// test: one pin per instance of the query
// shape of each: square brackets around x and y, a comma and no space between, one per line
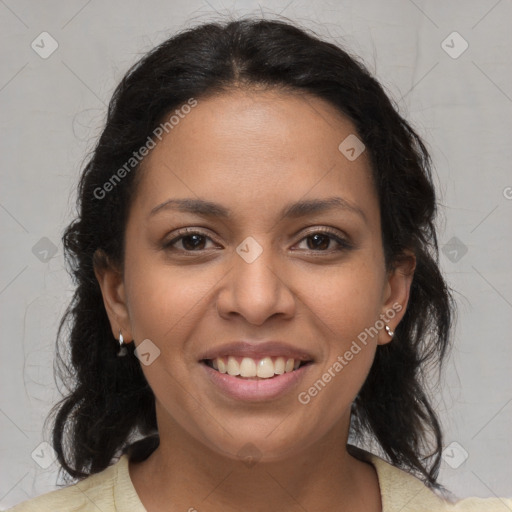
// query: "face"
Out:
[313,279]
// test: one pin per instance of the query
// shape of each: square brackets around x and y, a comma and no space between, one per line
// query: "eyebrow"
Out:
[293,210]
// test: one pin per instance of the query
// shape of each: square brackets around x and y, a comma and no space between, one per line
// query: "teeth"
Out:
[248,367]
[221,364]
[279,366]
[264,368]
[233,366]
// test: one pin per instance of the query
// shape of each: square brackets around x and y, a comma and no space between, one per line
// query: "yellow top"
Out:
[112,490]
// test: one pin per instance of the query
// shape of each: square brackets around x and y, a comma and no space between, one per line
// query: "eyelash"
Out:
[343,245]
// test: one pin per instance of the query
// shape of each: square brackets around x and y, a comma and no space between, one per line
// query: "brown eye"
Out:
[191,241]
[320,241]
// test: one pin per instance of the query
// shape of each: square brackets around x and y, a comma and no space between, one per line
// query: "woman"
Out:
[255,261]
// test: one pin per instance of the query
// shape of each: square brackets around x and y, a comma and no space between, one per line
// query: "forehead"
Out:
[256,147]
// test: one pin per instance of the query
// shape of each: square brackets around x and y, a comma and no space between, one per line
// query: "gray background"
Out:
[53,108]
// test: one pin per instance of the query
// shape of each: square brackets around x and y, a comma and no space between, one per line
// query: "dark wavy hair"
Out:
[109,408]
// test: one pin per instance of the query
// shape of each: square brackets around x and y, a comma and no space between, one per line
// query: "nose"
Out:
[255,290]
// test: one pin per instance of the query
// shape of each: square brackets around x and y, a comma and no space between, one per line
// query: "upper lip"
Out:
[256,350]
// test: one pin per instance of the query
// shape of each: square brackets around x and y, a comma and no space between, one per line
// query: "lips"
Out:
[256,389]
[255,371]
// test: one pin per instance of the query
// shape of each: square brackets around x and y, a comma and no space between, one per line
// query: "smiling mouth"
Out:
[248,368]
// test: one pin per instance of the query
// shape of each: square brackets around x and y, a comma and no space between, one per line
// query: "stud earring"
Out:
[389,331]
[122,347]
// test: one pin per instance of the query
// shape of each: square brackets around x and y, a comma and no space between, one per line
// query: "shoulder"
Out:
[109,490]
[483,505]
[402,491]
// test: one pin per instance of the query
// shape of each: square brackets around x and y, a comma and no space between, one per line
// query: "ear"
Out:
[110,279]
[396,293]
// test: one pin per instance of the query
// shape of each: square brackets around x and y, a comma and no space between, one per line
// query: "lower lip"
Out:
[256,390]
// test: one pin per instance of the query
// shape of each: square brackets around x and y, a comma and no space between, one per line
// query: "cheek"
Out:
[163,301]
[346,305]
[155,302]
[165,306]
[348,299]
[154,305]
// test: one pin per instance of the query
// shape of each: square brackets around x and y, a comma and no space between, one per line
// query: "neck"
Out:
[184,474]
